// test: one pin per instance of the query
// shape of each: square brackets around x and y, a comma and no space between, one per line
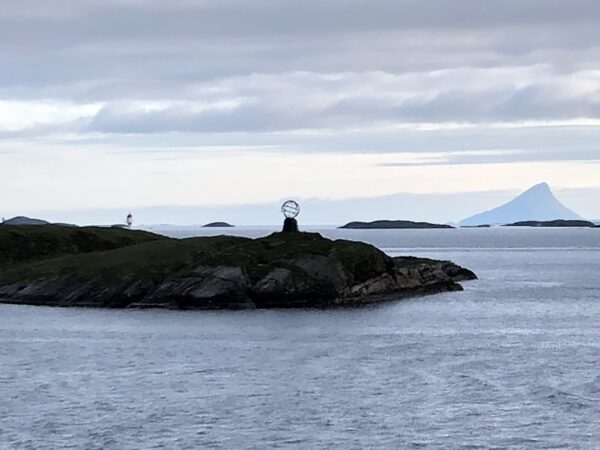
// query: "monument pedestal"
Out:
[290,225]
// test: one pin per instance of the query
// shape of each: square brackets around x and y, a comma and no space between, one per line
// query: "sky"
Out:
[193,111]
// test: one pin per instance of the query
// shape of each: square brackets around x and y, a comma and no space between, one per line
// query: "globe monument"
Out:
[290,209]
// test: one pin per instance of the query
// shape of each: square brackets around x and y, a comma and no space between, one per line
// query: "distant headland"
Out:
[122,268]
[392,224]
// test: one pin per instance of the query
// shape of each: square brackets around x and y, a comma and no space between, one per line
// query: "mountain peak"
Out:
[539,191]
[540,187]
[537,203]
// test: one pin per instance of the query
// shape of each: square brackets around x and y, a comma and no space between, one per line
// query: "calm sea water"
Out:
[512,362]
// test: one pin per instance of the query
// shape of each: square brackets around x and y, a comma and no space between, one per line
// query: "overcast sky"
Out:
[129,104]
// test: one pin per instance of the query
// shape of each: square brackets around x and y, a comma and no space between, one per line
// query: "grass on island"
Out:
[45,253]
[151,260]
[20,243]
[114,256]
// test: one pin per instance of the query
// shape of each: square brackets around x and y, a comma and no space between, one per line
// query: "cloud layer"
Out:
[265,65]
[459,83]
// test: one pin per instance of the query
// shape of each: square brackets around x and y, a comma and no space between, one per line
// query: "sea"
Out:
[511,362]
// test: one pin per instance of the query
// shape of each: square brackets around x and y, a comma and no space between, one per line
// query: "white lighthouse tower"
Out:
[129,220]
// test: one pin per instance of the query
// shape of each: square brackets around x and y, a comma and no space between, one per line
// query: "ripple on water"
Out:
[511,362]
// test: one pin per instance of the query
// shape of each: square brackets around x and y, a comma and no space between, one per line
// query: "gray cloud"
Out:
[308,17]
[293,101]
[66,42]
[247,118]
[590,155]
[266,66]
[156,90]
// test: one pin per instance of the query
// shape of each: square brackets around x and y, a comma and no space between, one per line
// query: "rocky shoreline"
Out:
[295,270]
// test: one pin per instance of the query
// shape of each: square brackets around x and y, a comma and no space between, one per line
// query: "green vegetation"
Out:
[153,260]
[19,243]
[116,256]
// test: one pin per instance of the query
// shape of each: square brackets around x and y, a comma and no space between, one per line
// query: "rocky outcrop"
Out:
[280,271]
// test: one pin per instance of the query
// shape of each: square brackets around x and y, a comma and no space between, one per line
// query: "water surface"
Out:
[512,362]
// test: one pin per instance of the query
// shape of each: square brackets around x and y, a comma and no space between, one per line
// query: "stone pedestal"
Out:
[290,225]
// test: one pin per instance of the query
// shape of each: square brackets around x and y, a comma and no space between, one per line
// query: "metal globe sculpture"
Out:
[290,209]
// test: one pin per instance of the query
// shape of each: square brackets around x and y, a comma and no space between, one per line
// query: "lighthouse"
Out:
[129,220]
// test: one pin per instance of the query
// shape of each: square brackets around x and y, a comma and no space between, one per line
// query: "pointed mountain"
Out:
[538,203]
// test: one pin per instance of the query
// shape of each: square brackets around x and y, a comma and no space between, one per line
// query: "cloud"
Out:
[302,100]
[459,84]
[19,115]
[297,65]
[66,42]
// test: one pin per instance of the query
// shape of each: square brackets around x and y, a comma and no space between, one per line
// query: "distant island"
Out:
[22,220]
[117,268]
[392,224]
[217,225]
[554,224]
[536,204]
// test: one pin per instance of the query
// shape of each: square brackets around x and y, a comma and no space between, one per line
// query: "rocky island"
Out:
[218,225]
[117,268]
[393,224]
[553,224]
[22,220]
